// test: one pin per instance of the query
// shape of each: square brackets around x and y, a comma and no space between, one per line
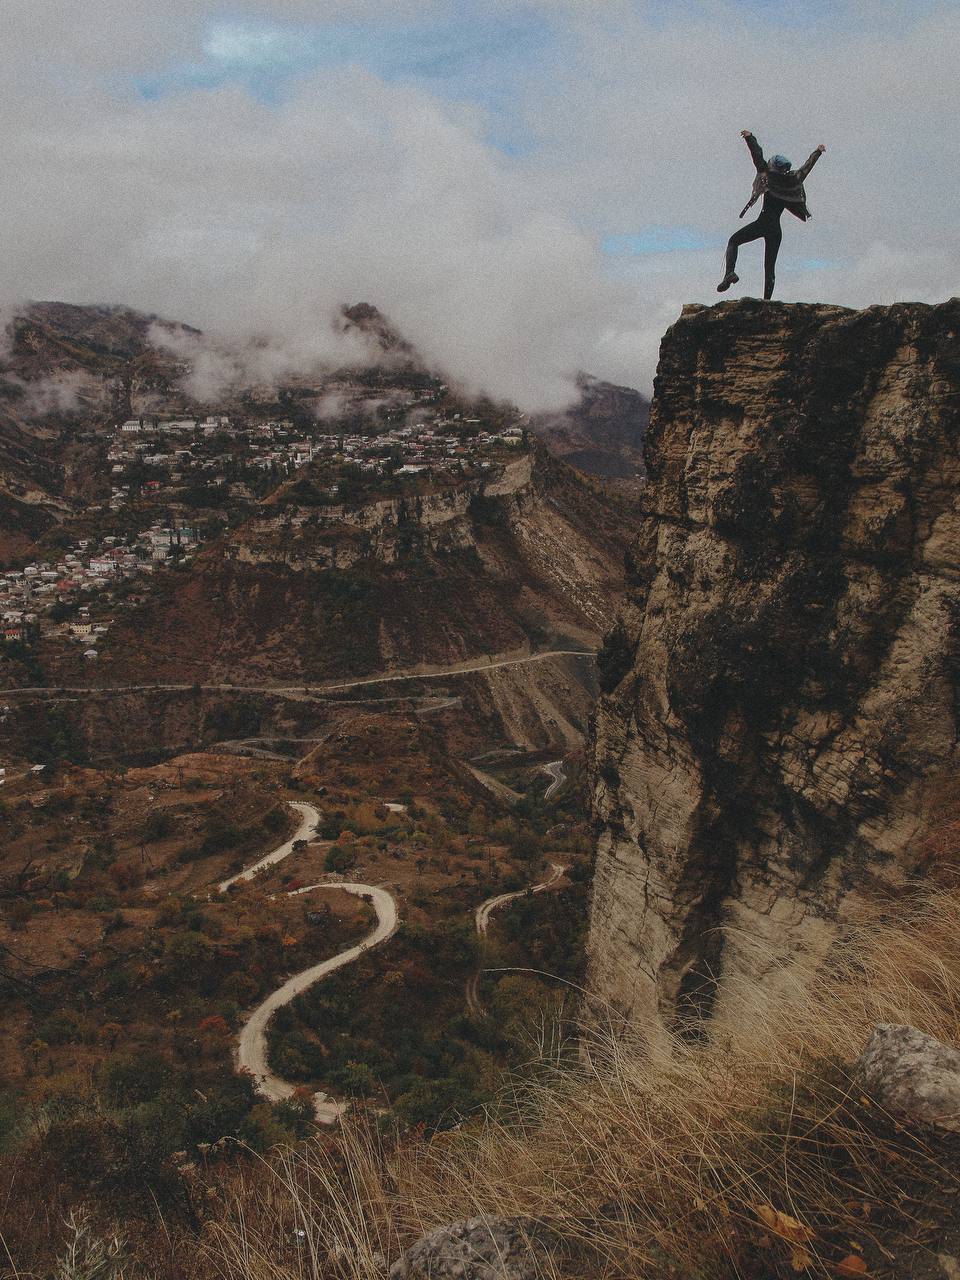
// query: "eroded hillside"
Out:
[527,556]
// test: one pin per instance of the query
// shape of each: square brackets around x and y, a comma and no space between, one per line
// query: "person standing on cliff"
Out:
[782,188]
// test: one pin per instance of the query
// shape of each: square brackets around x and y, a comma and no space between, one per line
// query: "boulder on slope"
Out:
[913,1075]
[477,1249]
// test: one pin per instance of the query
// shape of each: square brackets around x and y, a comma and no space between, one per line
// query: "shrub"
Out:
[221,834]
[340,858]
[355,1079]
[213,1025]
[157,825]
[189,949]
[136,1077]
[60,1027]
[90,1255]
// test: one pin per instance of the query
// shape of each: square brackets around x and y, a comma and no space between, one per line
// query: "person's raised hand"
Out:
[745,133]
[821,147]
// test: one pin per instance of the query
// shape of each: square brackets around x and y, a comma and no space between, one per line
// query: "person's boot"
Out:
[730,278]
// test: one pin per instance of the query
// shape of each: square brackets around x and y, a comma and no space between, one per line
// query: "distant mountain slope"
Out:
[603,433]
[524,556]
[63,366]
[67,369]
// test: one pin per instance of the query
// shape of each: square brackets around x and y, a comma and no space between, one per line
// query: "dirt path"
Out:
[252,1042]
[252,1045]
[482,920]
[309,821]
[496,788]
[492,663]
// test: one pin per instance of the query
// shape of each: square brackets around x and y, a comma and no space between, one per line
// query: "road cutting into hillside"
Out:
[309,821]
[482,921]
[493,662]
[252,1044]
[554,770]
[259,747]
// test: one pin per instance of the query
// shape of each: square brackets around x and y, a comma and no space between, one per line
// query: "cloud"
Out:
[58,393]
[249,221]
[256,217]
[215,365]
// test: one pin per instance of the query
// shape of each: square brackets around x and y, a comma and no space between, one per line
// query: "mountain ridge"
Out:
[69,370]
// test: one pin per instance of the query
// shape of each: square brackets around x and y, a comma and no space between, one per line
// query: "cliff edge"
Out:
[781,721]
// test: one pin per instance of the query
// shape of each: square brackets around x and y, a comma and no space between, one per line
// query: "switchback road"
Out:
[482,921]
[554,770]
[252,1045]
[309,821]
[252,1042]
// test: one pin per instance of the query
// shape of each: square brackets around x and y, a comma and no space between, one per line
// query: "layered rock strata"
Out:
[784,718]
[526,554]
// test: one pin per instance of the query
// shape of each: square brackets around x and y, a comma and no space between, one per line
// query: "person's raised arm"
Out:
[756,151]
[814,157]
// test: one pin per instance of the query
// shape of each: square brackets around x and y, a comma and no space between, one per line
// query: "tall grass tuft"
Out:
[747,1151]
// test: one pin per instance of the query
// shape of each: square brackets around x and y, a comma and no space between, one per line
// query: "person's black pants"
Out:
[766,228]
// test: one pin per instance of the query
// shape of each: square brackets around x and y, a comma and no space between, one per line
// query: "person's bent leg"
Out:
[752,231]
[771,248]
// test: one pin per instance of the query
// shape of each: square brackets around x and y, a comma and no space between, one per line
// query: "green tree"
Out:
[136,1077]
[157,825]
[356,1079]
[189,949]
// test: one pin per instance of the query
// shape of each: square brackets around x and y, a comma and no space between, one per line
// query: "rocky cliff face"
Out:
[528,555]
[784,716]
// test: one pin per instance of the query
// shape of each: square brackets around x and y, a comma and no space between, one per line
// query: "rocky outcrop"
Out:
[526,554]
[602,433]
[477,1249]
[783,700]
[913,1075]
[338,536]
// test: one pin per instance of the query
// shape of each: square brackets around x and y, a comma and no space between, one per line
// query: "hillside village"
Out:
[210,448]
[186,466]
[42,596]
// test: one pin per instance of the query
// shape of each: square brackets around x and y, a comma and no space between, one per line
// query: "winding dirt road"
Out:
[309,821]
[252,1042]
[482,919]
[252,1045]
[554,770]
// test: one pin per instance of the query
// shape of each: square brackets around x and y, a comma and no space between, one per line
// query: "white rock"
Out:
[912,1074]
[476,1249]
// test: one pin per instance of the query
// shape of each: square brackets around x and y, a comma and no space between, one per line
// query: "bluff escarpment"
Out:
[782,725]
[527,555]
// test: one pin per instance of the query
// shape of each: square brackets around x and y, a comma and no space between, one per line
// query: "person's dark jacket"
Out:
[787,187]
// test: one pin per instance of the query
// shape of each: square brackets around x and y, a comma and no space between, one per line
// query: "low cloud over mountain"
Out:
[251,175]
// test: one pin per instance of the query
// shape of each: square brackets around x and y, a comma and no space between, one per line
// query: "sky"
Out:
[527,189]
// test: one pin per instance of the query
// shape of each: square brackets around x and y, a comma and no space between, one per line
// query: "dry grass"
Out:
[747,1153]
